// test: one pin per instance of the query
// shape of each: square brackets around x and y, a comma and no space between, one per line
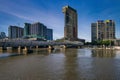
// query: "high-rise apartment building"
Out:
[103,30]
[37,30]
[15,32]
[71,27]
[27,29]
[94,30]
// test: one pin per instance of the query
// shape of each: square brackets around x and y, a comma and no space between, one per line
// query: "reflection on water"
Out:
[65,64]
[70,64]
[103,53]
[42,51]
[70,53]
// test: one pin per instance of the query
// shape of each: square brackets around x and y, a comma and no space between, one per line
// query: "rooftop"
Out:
[70,8]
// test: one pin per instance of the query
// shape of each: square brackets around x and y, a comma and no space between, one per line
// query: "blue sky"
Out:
[49,12]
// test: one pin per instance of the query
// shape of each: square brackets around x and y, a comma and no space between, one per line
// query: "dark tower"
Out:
[70,28]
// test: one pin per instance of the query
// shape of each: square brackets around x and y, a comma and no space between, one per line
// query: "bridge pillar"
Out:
[25,50]
[50,47]
[19,49]
[36,47]
[1,49]
[64,46]
[9,49]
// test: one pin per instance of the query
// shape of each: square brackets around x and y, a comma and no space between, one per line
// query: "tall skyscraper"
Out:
[37,30]
[15,32]
[103,30]
[71,27]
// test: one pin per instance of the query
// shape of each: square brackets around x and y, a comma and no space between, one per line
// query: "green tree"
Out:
[106,42]
[103,42]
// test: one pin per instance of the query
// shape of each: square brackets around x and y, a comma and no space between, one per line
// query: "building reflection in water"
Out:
[71,64]
[104,66]
[103,53]
[42,51]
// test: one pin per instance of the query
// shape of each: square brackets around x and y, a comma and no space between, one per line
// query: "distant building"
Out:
[2,35]
[36,30]
[103,30]
[15,32]
[49,34]
[27,29]
[71,27]
[94,30]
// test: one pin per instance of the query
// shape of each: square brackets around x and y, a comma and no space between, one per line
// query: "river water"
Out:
[69,64]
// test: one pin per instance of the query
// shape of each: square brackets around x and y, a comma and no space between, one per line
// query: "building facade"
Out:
[2,35]
[49,34]
[94,31]
[37,30]
[15,32]
[103,30]
[27,29]
[70,27]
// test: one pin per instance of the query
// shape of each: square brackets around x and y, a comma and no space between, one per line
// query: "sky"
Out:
[49,12]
